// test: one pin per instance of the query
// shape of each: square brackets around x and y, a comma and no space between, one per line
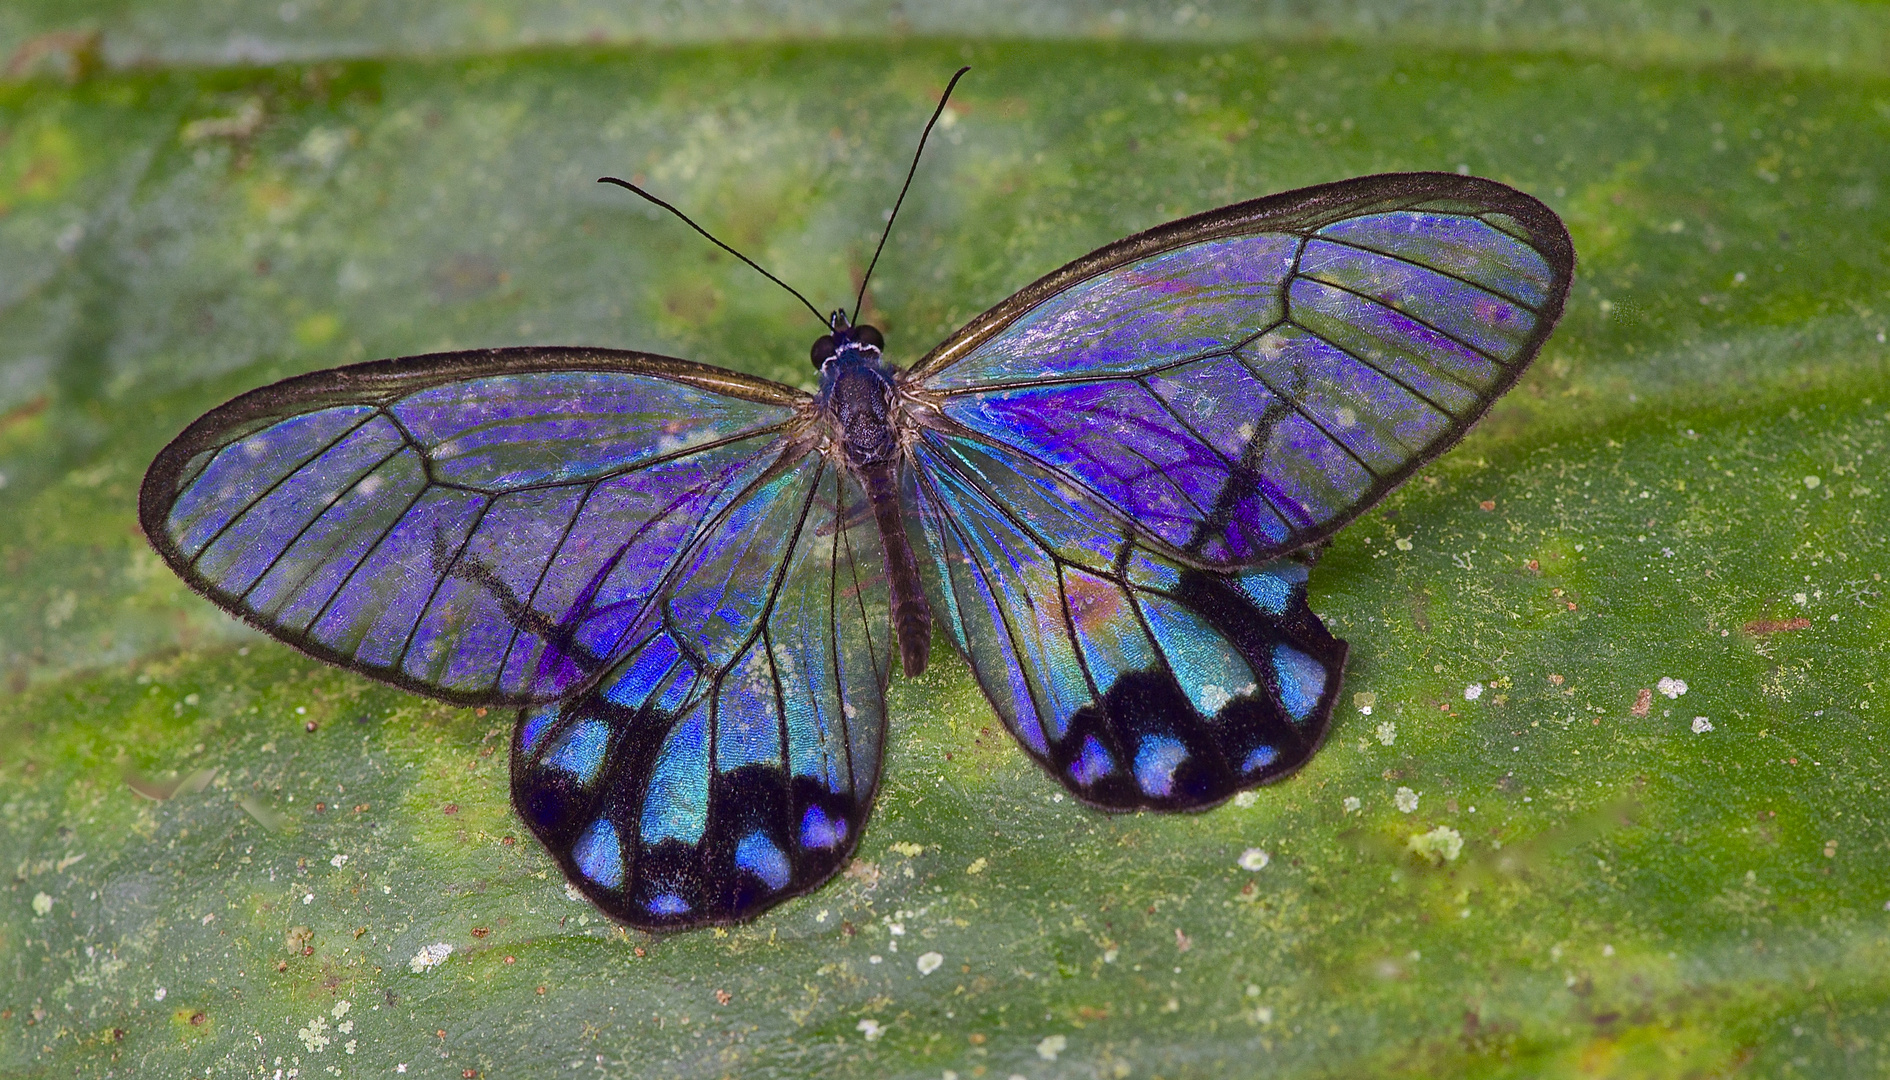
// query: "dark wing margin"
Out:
[1239,384]
[729,760]
[1134,681]
[480,527]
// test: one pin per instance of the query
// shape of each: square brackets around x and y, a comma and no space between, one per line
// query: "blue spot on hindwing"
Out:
[535,727]
[668,904]
[1302,681]
[599,854]
[1271,587]
[581,751]
[676,806]
[1092,762]
[761,857]
[1260,759]
[819,831]
[1156,759]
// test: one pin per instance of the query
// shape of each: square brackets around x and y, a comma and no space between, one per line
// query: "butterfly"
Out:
[695,585]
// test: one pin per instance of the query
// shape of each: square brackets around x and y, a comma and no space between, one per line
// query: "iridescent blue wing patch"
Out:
[729,759]
[482,527]
[1237,385]
[1137,682]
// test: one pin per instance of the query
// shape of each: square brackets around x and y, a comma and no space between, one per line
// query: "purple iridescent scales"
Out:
[483,539]
[729,758]
[1236,398]
[1110,463]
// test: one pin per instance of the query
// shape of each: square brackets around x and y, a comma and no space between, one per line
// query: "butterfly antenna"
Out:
[890,218]
[628,186]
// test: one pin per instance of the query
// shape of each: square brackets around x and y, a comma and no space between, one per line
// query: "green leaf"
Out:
[1523,853]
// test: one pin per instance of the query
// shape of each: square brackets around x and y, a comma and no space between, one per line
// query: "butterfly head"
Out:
[847,344]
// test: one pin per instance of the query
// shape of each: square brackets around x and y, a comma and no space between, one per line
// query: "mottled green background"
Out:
[198,198]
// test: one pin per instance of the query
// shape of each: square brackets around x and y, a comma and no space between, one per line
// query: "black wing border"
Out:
[379,383]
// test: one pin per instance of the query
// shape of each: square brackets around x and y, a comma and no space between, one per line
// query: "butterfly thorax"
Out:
[856,392]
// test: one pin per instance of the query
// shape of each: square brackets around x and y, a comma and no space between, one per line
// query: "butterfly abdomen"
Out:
[861,402]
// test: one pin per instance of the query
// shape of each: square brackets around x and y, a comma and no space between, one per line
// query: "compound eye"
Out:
[868,334]
[823,350]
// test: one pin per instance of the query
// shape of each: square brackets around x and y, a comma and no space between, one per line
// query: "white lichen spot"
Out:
[1387,732]
[346,1027]
[870,1029]
[349,1046]
[929,962]
[1051,1046]
[314,1035]
[1473,691]
[1403,543]
[1812,482]
[341,1008]
[429,956]
[1351,804]
[338,861]
[161,994]
[1246,799]
[1406,800]
[42,904]
[1800,599]
[1109,955]
[1253,859]
[1441,845]
[1263,1015]
[1701,725]
[1672,688]
[977,866]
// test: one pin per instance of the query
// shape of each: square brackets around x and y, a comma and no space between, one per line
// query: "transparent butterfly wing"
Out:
[1111,463]
[729,759]
[482,527]
[1134,680]
[1238,385]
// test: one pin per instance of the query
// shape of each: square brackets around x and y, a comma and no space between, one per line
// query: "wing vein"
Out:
[439,581]
[311,523]
[1459,278]
[271,489]
[1426,324]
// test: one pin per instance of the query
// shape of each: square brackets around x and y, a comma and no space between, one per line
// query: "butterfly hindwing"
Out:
[729,760]
[480,527]
[1135,681]
[1241,384]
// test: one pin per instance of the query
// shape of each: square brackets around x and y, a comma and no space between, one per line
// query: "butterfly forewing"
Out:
[729,760]
[1240,384]
[480,527]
